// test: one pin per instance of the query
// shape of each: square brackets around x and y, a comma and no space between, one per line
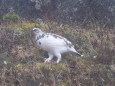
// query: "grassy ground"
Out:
[21,60]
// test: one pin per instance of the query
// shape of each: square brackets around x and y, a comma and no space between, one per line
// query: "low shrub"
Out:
[11,17]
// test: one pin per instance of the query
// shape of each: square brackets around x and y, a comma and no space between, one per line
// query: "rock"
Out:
[112,67]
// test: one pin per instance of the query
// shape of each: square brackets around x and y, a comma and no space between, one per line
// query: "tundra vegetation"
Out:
[91,30]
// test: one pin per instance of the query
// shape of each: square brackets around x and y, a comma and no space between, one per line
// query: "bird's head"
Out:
[37,31]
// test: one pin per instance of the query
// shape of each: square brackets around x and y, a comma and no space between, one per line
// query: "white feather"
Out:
[54,44]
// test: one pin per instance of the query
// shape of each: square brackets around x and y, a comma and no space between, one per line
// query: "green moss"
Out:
[58,67]
[19,67]
[64,84]
[25,25]
[11,17]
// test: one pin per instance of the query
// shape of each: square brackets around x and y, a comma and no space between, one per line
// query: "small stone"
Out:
[112,67]
[16,82]
[7,81]
[5,62]
[94,57]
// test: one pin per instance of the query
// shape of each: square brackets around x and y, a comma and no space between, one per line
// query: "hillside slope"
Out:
[21,60]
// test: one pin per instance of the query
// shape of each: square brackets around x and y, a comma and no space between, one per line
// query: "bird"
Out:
[54,44]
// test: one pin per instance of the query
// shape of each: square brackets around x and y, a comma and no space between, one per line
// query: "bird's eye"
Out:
[34,30]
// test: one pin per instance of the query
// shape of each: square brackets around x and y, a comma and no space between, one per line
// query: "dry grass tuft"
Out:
[21,61]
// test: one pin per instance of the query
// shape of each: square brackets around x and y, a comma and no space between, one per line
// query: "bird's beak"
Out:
[33,29]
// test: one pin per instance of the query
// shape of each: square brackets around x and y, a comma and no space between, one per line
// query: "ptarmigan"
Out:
[54,44]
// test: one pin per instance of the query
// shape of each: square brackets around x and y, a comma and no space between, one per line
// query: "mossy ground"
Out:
[24,58]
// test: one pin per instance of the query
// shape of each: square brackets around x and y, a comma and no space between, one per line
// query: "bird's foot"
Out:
[47,60]
[82,55]
[58,61]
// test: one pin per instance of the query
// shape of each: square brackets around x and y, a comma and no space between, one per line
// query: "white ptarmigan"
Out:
[54,44]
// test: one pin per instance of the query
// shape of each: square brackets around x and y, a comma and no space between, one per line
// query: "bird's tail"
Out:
[76,53]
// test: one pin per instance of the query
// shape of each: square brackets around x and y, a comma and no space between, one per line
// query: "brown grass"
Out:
[25,65]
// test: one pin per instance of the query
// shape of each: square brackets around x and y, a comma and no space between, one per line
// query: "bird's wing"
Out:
[55,39]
